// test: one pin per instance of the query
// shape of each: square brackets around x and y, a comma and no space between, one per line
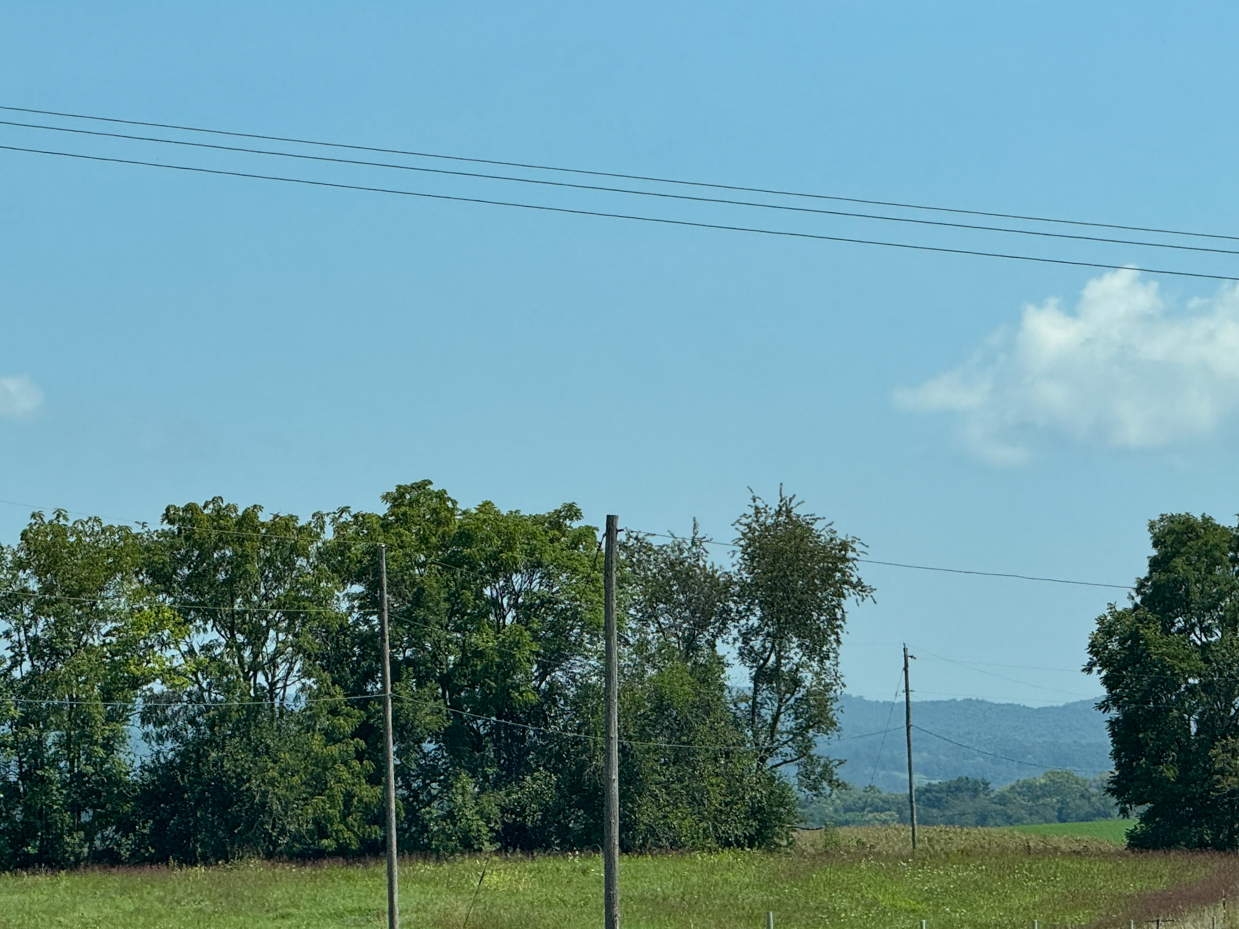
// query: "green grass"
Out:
[961,879]
[1108,830]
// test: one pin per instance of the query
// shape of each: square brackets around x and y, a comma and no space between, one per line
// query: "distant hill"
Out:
[1070,737]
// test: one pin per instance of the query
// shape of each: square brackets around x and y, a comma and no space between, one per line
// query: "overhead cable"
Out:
[1018,577]
[661,535]
[30,595]
[882,745]
[921,567]
[617,175]
[208,704]
[981,751]
[1003,677]
[632,217]
[663,195]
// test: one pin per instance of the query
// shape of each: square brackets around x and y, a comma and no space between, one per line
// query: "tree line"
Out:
[1053,797]
[204,690]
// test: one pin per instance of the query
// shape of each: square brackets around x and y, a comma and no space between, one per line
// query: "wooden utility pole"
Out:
[610,835]
[393,908]
[907,705]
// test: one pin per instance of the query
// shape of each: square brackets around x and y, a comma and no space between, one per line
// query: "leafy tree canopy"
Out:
[205,690]
[1169,662]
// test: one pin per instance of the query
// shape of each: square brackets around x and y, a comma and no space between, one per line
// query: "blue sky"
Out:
[169,337]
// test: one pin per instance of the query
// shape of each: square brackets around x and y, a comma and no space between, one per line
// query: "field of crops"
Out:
[1111,830]
[849,879]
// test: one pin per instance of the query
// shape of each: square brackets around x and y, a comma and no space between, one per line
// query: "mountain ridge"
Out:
[998,742]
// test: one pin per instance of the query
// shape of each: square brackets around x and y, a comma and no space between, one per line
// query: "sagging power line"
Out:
[631,217]
[921,567]
[981,751]
[663,195]
[620,176]
[660,535]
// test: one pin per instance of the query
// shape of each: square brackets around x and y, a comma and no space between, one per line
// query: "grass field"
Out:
[1110,830]
[959,879]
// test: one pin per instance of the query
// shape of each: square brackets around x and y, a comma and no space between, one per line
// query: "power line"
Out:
[628,191]
[921,567]
[597,738]
[1011,680]
[996,664]
[863,735]
[1020,577]
[37,595]
[37,508]
[1043,704]
[981,751]
[632,217]
[882,745]
[188,703]
[618,175]
[573,735]
[210,704]
[660,535]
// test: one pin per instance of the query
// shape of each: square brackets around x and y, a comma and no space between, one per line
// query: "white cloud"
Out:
[1120,371]
[19,396]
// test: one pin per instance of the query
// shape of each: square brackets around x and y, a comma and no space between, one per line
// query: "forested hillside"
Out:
[1032,740]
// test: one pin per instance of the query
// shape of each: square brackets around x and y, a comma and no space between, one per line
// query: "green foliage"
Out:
[495,620]
[673,593]
[242,650]
[81,638]
[794,576]
[688,777]
[1053,797]
[1169,662]
[270,764]
[460,818]
[250,781]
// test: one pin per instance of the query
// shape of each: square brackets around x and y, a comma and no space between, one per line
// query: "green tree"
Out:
[1169,662]
[255,747]
[495,620]
[81,639]
[794,576]
[1053,797]
[689,776]
[1058,797]
[675,595]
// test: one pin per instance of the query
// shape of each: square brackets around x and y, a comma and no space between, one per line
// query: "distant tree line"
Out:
[1053,797]
[204,690]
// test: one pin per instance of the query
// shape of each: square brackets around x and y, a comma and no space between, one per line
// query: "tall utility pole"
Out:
[393,910]
[907,705]
[610,832]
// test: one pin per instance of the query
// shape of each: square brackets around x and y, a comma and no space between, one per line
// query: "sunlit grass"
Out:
[959,878]
[1110,830]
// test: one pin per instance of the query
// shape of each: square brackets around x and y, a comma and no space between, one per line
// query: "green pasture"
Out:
[857,879]
[1109,830]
